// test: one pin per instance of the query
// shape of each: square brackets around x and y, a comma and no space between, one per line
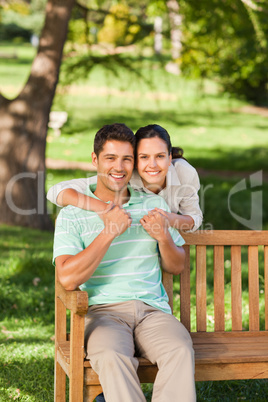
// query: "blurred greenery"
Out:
[224,41]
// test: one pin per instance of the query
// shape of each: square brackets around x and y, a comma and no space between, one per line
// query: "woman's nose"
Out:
[152,162]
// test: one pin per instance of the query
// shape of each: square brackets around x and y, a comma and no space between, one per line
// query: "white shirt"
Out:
[180,193]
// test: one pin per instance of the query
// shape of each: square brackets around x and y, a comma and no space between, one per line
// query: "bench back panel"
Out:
[228,245]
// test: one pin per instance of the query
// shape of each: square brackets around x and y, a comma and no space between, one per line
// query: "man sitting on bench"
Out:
[118,260]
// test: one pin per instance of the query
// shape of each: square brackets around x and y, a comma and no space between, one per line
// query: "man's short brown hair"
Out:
[116,132]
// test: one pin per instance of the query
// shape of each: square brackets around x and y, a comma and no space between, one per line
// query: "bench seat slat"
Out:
[214,348]
[238,336]
[233,355]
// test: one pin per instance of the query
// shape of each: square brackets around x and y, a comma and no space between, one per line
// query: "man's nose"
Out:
[119,165]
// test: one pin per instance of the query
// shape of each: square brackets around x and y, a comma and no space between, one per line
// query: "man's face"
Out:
[114,167]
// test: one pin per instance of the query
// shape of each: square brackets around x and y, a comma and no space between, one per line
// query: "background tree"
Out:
[23,127]
[227,41]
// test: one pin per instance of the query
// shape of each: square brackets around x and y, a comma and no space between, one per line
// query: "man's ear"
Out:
[94,159]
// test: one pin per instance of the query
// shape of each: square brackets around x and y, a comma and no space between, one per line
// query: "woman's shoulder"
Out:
[182,164]
[185,171]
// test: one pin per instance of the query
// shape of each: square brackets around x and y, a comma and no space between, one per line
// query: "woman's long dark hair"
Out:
[154,130]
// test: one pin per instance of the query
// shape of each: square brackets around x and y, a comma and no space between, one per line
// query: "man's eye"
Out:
[143,157]
[161,156]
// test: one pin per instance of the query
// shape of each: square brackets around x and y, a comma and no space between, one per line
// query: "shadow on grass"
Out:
[135,117]
[34,378]
[255,158]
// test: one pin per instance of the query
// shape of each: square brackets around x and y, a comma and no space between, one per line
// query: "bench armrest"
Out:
[74,300]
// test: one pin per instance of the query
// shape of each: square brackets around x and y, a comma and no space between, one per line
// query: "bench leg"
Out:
[90,392]
[59,384]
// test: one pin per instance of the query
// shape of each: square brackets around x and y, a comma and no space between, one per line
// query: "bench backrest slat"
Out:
[219,288]
[253,288]
[201,289]
[236,288]
[232,245]
[266,285]
[185,295]
[167,280]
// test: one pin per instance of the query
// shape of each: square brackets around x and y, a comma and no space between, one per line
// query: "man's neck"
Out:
[118,198]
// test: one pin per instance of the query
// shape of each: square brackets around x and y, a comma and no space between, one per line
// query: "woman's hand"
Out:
[156,225]
[177,221]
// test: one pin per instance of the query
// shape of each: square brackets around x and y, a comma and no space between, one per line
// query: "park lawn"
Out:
[26,315]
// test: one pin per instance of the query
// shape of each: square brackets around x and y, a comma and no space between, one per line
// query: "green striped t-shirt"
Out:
[130,269]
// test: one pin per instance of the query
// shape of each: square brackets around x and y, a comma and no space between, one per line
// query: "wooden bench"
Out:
[229,344]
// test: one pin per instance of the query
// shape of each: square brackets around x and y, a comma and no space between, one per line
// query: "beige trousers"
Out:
[116,332]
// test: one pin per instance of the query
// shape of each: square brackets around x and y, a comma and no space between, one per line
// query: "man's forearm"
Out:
[172,257]
[77,269]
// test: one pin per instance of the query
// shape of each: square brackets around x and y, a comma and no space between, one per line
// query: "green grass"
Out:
[26,315]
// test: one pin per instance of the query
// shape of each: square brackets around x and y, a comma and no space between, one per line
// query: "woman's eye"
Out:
[143,157]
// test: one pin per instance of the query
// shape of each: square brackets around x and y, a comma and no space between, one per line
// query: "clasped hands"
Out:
[117,221]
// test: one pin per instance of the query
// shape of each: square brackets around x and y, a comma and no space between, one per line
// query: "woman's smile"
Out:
[153,161]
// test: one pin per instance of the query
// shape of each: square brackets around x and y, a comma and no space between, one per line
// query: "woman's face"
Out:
[153,160]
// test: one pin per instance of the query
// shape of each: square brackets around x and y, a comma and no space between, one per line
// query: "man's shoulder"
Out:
[72,214]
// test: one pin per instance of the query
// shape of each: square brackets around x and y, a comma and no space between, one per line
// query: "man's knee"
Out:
[110,359]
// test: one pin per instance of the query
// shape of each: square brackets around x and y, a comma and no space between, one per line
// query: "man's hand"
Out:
[156,225]
[116,221]
[101,214]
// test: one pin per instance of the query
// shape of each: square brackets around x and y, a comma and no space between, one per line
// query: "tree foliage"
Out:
[228,41]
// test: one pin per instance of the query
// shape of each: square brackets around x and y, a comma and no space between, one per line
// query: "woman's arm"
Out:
[183,198]
[71,192]
[70,196]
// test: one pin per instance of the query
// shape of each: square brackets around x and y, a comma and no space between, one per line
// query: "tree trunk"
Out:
[23,127]
[175,21]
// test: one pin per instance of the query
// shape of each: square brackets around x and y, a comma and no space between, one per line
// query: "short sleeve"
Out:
[177,237]
[80,185]
[67,240]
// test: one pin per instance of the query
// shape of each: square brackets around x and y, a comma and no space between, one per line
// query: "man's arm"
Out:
[172,257]
[73,270]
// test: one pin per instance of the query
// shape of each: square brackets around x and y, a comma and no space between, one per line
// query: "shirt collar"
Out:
[172,176]
[134,195]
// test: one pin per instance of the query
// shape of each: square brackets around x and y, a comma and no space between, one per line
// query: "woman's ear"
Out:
[170,158]
[94,159]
